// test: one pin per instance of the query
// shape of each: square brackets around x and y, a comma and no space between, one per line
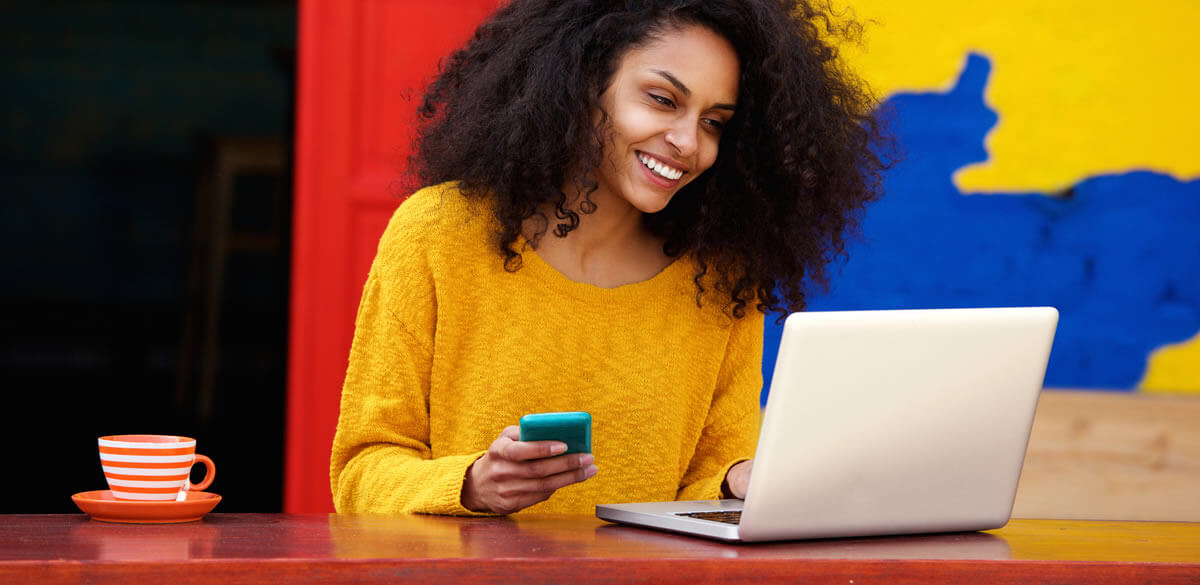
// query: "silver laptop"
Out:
[883,422]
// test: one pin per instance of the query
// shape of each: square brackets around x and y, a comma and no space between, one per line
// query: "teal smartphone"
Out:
[572,428]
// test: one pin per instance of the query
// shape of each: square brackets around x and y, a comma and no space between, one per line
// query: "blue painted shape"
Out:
[1118,255]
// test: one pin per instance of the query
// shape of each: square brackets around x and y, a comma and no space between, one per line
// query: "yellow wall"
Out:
[1114,85]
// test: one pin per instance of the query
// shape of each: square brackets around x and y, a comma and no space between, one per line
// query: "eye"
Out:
[714,124]
[662,100]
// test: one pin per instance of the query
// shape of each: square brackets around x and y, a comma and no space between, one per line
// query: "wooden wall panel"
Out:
[1112,455]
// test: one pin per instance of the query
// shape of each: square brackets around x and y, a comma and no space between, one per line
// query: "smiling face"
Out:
[667,103]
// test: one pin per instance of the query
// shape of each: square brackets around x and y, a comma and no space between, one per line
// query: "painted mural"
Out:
[1049,159]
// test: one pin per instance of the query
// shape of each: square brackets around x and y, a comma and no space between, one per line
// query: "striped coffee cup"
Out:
[151,467]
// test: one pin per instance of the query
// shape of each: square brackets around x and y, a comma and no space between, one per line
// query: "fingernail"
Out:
[591,470]
[557,448]
[586,459]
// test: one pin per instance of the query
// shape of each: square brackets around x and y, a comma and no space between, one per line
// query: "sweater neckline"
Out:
[665,280]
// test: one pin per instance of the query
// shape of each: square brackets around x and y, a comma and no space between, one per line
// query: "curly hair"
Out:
[513,112]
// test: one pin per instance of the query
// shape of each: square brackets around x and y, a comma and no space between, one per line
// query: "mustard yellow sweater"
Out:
[449,348]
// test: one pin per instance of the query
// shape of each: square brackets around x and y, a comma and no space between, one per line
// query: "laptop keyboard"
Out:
[726,516]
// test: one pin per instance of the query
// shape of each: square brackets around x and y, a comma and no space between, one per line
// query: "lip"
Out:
[655,177]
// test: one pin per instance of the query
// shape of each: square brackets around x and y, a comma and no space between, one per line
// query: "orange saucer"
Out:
[102,506]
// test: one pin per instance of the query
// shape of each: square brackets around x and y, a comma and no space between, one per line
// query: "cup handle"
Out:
[209,475]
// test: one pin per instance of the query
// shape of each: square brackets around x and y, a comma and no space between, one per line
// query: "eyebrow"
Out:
[684,89]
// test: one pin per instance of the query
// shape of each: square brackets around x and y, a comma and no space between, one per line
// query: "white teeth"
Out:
[659,168]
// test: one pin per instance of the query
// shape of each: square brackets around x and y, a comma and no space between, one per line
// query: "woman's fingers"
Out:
[530,450]
[557,465]
[537,489]
[541,468]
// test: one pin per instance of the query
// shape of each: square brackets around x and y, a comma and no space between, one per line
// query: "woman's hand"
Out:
[737,481]
[513,475]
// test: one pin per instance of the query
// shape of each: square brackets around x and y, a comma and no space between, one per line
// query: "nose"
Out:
[683,137]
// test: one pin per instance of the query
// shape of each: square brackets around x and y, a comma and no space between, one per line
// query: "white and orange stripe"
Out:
[147,467]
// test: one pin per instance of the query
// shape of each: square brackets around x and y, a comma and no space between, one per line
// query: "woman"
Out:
[621,191]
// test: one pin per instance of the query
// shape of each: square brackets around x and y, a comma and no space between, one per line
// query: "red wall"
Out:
[362,65]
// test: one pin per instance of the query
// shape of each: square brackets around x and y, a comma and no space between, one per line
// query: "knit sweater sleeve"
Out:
[731,427]
[381,460]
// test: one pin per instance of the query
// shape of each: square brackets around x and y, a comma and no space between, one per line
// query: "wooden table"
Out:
[276,548]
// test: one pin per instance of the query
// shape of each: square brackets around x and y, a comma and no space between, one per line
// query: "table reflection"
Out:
[150,542]
[418,536]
